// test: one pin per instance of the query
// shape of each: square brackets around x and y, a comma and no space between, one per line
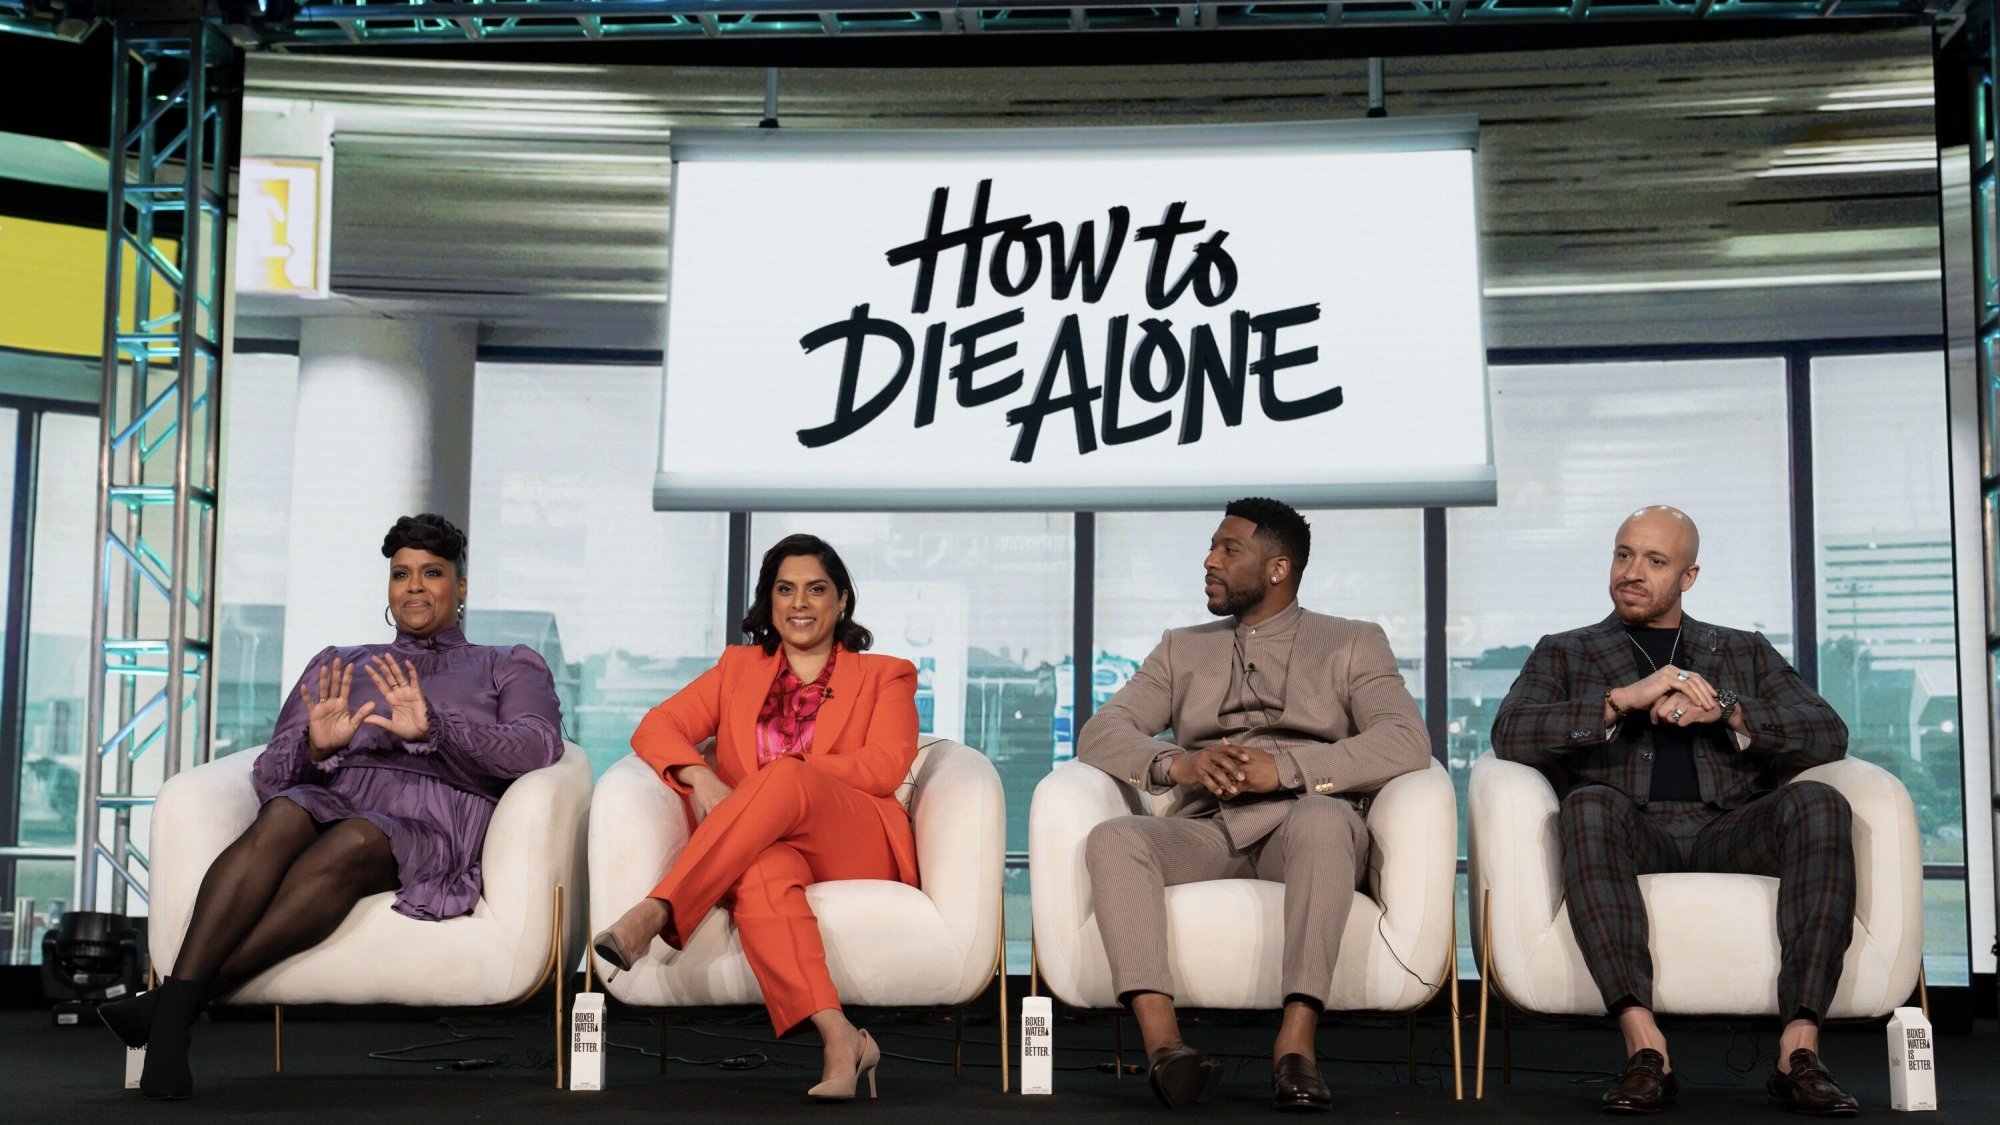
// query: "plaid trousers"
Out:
[1800,833]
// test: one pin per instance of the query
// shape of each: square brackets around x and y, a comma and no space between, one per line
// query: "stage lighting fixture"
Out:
[88,958]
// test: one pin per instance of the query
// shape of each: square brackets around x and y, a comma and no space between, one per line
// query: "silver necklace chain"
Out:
[1676,647]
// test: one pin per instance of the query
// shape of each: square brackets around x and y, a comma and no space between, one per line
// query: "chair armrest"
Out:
[197,813]
[638,827]
[535,840]
[1888,859]
[958,815]
[1413,864]
[1069,801]
[1514,851]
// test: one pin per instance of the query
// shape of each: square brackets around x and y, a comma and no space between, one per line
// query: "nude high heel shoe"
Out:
[834,1090]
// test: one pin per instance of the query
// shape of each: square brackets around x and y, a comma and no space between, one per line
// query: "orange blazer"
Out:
[865,735]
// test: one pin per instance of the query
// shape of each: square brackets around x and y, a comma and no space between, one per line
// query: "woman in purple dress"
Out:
[383,784]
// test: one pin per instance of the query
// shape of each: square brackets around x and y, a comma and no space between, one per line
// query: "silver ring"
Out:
[1684,674]
[1678,712]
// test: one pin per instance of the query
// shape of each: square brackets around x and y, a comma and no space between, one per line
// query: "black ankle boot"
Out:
[131,1019]
[167,1075]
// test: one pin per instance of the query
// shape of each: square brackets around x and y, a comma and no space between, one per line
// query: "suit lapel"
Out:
[844,688]
[1616,657]
[1200,716]
[745,700]
[1701,647]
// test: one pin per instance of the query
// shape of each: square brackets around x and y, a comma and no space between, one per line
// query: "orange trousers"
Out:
[786,827]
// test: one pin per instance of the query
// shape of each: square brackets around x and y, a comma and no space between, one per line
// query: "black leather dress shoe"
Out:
[1810,1089]
[1645,1086]
[1296,1084]
[1183,1076]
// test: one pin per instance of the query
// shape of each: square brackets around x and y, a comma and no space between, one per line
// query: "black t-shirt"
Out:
[1674,777]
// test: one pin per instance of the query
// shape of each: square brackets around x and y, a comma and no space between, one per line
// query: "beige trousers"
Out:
[1320,854]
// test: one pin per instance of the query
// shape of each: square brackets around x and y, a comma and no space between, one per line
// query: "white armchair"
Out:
[1399,948]
[887,944]
[500,954]
[1711,956]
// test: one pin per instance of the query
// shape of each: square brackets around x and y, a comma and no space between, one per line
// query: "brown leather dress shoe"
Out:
[1810,1089]
[1183,1076]
[1296,1085]
[1645,1085]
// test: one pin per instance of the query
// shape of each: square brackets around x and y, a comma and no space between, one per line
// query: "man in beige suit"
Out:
[1283,723]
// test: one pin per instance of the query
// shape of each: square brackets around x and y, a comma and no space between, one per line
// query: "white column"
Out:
[384,430]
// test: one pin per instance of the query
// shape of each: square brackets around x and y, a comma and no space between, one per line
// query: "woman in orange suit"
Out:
[812,737]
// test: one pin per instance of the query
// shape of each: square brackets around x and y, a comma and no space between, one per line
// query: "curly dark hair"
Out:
[1278,524]
[757,623]
[427,531]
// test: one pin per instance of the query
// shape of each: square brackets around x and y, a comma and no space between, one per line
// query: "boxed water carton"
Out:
[1912,1061]
[1038,1046]
[586,1042]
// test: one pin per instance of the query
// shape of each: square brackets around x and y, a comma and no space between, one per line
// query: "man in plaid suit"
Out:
[1671,740]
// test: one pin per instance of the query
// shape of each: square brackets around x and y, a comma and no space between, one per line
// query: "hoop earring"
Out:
[386,619]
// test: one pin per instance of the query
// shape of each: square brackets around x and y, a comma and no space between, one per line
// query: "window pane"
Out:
[568,556]
[980,602]
[254,548]
[1887,617]
[59,607]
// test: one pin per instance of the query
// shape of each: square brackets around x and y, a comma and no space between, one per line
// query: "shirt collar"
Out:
[451,636]
[1276,625]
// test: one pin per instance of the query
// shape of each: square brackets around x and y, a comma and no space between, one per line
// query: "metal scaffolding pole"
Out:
[153,621]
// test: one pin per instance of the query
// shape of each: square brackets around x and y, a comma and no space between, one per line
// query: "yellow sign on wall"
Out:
[278,227]
[52,286]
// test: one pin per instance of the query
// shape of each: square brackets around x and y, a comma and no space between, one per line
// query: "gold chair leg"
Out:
[1485,976]
[556,928]
[1457,1037]
[1006,1053]
[277,1038]
[1923,989]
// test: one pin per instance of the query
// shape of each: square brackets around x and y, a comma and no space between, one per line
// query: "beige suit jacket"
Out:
[1348,723]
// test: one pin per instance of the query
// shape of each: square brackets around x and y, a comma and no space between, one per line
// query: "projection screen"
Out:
[1075,318]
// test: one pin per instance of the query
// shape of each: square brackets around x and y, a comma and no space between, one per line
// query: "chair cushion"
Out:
[886,944]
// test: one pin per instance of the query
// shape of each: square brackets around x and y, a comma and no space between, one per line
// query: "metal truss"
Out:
[153,621]
[346,22]
[360,21]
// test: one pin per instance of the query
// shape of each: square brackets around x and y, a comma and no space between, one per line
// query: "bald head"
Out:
[1652,564]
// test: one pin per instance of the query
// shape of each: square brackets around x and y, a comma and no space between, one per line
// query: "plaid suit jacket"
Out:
[1553,716]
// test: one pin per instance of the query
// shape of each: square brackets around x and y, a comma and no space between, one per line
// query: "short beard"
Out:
[1235,602]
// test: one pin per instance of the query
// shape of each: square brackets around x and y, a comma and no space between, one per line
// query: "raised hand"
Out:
[409,719]
[330,724]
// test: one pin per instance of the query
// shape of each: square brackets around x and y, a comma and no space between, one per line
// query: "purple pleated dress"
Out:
[493,715]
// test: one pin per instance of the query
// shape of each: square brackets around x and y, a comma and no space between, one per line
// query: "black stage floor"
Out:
[75,1075]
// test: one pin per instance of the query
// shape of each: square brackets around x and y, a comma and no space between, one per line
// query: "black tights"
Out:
[282,887]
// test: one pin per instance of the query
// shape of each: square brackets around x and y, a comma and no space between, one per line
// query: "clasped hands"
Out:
[1671,695]
[1226,769]
[331,722]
